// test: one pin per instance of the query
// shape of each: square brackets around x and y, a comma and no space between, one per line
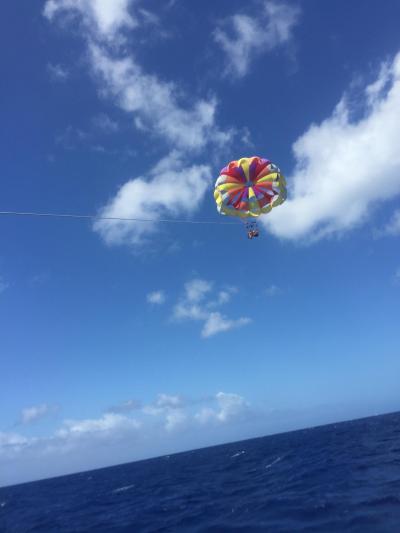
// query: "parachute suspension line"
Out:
[122,219]
[252,228]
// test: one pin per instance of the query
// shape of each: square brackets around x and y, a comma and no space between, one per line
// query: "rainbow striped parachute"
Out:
[249,187]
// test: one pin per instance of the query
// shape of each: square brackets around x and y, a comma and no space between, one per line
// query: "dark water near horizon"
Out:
[341,477]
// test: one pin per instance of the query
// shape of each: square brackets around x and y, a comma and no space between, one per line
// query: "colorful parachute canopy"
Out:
[249,187]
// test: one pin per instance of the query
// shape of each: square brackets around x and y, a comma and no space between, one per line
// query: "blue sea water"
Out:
[342,477]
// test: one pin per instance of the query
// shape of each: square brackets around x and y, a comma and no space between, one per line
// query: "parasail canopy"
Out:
[249,187]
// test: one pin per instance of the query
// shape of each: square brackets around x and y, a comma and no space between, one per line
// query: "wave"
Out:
[123,489]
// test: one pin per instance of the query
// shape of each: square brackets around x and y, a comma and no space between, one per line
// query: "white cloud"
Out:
[242,37]
[217,323]
[175,419]
[374,91]
[108,423]
[171,190]
[170,408]
[173,425]
[194,305]
[177,425]
[223,296]
[171,411]
[344,168]
[185,310]
[191,306]
[36,412]
[11,440]
[158,108]
[105,18]
[229,406]
[174,413]
[156,297]
[397,276]
[57,72]
[167,400]
[196,290]
[154,102]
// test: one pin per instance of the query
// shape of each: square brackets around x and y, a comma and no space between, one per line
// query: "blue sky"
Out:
[128,340]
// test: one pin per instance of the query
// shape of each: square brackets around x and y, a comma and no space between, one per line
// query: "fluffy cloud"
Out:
[156,297]
[167,400]
[217,323]
[172,425]
[104,18]
[196,290]
[242,37]
[36,412]
[173,187]
[170,190]
[154,104]
[175,419]
[229,406]
[107,424]
[158,108]
[171,412]
[178,425]
[11,440]
[345,168]
[171,409]
[198,304]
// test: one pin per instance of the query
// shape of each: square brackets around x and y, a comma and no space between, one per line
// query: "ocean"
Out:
[335,478]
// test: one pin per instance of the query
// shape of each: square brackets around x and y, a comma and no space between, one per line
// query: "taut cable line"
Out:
[121,219]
